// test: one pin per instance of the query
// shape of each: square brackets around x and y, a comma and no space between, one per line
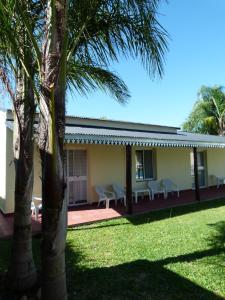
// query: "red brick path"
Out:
[91,213]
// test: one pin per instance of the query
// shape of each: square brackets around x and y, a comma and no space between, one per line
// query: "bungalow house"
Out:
[102,152]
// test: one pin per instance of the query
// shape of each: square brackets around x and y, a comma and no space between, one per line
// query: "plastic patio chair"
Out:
[170,187]
[104,195]
[219,181]
[119,192]
[156,188]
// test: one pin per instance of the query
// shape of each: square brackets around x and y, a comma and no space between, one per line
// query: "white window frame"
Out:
[153,165]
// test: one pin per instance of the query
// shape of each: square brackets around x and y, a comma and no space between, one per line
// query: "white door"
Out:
[76,177]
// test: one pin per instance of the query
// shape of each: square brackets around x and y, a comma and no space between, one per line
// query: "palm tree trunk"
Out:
[51,139]
[22,272]
[220,127]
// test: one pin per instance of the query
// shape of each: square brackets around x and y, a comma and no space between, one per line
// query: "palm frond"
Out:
[85,78]
[115,28]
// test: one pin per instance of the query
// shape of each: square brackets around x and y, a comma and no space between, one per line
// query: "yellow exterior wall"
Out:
[107,165]
[172,163]
[215,164]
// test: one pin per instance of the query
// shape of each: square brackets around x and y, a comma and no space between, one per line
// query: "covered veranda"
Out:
[90,213]
[131,139]
[128,140]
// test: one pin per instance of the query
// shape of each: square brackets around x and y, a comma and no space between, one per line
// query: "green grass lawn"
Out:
[170,254]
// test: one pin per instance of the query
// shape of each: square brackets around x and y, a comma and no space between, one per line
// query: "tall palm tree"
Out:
[16,56]
[103,30]
[99,38]
[22,273]
[208,114]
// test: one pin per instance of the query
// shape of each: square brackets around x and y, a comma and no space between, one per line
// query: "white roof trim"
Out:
[138,142]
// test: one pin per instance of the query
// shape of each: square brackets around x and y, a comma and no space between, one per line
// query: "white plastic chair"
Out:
[119,192]
[219,181]
[104,195]
[170,187]
[216,180]
[36,205]
[156,188]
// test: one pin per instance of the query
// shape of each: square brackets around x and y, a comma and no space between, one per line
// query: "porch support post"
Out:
[129,179]
[197,193]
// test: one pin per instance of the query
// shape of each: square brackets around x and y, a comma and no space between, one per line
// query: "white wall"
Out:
[10,172]
[2,160]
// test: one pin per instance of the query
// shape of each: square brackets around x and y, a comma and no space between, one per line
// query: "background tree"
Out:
[208,113]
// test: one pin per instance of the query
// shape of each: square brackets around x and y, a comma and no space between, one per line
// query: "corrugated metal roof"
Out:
[120,121]
[89,135]
[124,137]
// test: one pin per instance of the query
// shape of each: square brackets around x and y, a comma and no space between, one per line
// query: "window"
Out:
[202,169]
[144,164]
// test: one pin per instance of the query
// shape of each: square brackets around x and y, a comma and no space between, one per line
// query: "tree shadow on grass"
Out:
[217,240]
[153,216]
[137,280]
[140,279]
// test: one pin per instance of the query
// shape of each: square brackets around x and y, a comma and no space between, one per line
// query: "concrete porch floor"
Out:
[91,213]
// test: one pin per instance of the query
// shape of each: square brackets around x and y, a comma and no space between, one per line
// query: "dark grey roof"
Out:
[119,121]
[89,135]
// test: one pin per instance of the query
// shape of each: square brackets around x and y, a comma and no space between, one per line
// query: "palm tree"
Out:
[208,114]
[22,272]
[102,30]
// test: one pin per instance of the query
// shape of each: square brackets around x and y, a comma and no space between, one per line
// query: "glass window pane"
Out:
[80,163]
[200,157]
[201,178]
[148,164]
[139,165]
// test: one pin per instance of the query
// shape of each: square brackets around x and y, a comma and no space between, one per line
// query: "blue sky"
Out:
[196,57]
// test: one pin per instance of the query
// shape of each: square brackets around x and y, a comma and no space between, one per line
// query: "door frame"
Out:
[67,172]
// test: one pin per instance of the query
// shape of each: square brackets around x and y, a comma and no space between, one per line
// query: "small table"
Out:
[141,191]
